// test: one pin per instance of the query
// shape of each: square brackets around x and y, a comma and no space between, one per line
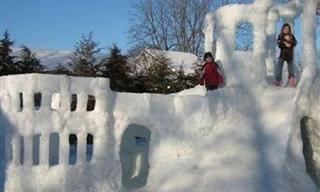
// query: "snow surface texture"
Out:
[244,137]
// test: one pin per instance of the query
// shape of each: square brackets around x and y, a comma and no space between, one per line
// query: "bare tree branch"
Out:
[172,24]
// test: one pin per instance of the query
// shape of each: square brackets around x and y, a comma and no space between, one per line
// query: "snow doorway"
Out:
[296,26]
[311,147]
[134,152]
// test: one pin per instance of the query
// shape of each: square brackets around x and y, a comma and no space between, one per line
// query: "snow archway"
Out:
[311,149]
[134,154]
[220,29]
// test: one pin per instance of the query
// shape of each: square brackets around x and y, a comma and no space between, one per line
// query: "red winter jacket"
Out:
[211,75]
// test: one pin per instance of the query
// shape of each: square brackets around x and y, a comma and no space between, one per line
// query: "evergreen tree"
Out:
[184,81]
[60,69]
[115,67]
[7,64]
[153,73]
[180,82]
[191,80]
[29,62]
[160,75]
[83,60]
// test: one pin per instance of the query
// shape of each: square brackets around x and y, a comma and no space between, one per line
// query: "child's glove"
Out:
[201,82]
[221,80]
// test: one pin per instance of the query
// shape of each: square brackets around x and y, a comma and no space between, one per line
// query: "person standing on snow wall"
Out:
[286,42]
[211,75]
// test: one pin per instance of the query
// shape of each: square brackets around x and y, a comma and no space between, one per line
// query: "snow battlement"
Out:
[48,132]
[39,115]
[144,142]
[19,93]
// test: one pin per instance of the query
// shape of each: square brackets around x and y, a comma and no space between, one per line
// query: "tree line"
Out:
[154,75]
[27,62]
[170,25]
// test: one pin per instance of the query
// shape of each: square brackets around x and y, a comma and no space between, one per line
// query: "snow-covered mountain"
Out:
[176,59]
[51,59]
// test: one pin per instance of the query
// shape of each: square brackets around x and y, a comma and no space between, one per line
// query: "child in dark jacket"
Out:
[286,42]
[211,76]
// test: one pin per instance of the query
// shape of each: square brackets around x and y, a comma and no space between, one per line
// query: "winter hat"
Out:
[206,55]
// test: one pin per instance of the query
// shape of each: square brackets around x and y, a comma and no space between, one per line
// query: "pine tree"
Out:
[191,80]
[153,73]
[7,64]
[115,67]
[180,82]
[60,69]
[29,62]
[160,76]
[83,60]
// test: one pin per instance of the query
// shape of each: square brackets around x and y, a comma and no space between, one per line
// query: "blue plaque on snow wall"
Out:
[141,141]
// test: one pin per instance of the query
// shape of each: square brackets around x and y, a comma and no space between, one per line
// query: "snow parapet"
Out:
[228,140]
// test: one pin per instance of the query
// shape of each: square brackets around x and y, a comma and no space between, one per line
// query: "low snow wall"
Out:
[144,142]
[40,105]
[175,123]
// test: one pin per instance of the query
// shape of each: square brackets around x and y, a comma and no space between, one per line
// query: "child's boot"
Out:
[277,83]
[292,82]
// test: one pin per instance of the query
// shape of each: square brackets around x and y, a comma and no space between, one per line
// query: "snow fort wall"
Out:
[177,140]
[224,22]
[46,148]
[220,28]
[303,146]
[36,167]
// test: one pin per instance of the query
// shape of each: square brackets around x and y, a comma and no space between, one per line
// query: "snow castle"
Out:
[62,133]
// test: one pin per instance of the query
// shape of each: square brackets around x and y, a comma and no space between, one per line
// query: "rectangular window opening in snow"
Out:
[74,102]
[73,141]
[54,149]
[91,103]
[37,100]
[20,109]
[55,102]
[89,150]
[36,149]
[22,150]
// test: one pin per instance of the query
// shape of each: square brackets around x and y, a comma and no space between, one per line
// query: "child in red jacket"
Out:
[211,76]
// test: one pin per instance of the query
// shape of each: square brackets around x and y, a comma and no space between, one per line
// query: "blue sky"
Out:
[59,24]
